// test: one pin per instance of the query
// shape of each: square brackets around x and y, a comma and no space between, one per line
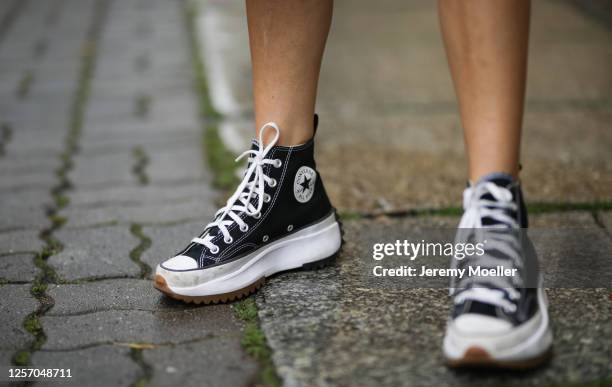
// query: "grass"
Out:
[140,165]
[23,89]
[254,341]
[147,371]
[142,105]
[220,159]
[533,208]
[145,243]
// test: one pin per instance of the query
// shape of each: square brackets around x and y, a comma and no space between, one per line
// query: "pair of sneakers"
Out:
[280,218]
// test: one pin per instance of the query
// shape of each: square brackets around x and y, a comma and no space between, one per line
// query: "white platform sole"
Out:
[522,347]
[307,246]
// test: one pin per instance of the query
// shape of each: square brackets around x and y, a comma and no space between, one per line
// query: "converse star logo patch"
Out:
[304,183]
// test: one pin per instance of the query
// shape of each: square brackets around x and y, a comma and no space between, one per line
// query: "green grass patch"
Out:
[143,245]
[142,105]
[32,324]
[543,208]
[220,159]
[140,165]
[254,341]
[23,88]
[532,209]
[147,371]
[61,201]
[21,358]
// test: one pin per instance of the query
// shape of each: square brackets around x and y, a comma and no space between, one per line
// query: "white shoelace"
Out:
[253,184]
[498,239]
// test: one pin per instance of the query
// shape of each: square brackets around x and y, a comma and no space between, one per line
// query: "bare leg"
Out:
[486,44]
[287,39]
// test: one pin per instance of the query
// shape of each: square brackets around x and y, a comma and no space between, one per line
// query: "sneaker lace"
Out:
[252,186]
[500,291]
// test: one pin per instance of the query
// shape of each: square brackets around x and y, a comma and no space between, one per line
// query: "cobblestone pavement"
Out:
[101,176]
[330,327]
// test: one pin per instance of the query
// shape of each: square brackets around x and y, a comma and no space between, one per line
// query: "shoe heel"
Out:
[331,260]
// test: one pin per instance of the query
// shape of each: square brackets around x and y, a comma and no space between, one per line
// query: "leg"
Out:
[287,39]
[496,321]
[486,44]
[280,208]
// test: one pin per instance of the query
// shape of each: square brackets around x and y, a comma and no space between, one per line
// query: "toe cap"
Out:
[180,262]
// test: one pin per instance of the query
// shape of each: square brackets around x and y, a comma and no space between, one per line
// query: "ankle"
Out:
[292,131]
[477,175]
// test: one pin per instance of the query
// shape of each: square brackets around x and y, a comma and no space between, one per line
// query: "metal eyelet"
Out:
[214,250]
[265,238]
[245,228]
[290,227]
[267,198]
[278,163]
[272,183]
[257,215]
[228,240]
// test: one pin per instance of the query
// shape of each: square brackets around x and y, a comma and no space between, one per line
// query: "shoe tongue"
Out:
[498,178]
[501,180]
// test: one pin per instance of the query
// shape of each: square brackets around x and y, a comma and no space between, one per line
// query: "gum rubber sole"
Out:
[476,357]
[160,284]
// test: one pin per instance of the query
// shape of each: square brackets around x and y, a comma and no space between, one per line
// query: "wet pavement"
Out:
[101,151]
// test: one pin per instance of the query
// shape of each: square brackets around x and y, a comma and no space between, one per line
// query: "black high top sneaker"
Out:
[499,316]
[279,218]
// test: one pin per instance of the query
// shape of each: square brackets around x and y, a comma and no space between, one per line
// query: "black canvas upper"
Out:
[283,215]
[526,305]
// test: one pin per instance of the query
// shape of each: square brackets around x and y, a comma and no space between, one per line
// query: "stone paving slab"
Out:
[99,252]
[24,209]
[33,180]
[114,294]
[330,327]
[138,194]
[17,303]
[105,142]
[20,241]
[17,267]
[30,143]
[175,165]
[164,166]
[606,218]
[104,365]
[6,356]
[166,241]
[194,208]
[210,361]
[100,169]
[172,327]
[110,130]
[15,164]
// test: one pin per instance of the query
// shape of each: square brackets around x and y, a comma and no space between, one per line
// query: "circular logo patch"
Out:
[304,183]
